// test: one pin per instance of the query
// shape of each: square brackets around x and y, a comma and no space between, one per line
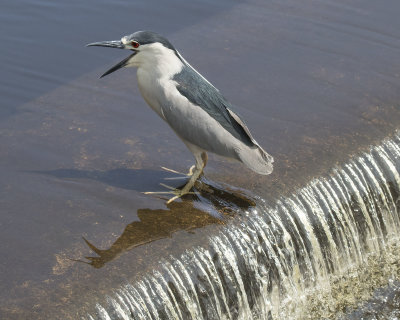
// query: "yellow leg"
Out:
[194,173]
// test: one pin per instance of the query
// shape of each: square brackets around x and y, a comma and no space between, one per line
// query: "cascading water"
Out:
[283,261]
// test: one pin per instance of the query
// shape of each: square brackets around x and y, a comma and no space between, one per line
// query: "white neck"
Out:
[156,65]
[157,60]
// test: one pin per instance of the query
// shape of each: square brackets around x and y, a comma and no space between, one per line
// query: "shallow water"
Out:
[316,81]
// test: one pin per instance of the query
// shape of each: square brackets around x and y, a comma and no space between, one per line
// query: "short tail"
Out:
[256,159]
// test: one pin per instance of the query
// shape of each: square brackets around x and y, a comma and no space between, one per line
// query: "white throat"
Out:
[157,66]
[157,60]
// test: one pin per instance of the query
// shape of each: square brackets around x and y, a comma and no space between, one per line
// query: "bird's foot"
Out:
[194,174]
[178,193]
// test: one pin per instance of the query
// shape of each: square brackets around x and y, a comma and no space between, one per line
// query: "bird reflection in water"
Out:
[211,204]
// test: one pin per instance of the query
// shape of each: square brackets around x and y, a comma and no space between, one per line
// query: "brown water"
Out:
[316,81]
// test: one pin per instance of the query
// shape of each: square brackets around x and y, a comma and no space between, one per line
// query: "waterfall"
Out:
[282,260]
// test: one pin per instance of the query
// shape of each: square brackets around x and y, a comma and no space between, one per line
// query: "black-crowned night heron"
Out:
[191,105]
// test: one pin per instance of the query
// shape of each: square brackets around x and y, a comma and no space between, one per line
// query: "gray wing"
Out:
[201,93]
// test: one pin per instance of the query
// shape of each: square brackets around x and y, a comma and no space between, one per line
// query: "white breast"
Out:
[157,65]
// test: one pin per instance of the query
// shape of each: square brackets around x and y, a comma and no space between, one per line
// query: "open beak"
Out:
[113,44]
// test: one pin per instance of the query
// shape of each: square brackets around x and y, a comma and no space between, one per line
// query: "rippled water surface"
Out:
[317,83]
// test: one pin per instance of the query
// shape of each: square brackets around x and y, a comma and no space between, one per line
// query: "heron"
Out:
[194,109]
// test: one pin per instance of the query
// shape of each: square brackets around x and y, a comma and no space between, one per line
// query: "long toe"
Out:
[194,174]
[177,193]
[174,171]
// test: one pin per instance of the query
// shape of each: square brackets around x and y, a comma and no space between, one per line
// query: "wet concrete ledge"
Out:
[316,254]
[78,157]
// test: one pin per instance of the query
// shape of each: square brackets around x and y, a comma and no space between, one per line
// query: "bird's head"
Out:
[146,47]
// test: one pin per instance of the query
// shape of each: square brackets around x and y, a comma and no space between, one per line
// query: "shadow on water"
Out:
[210,204]
[130,179]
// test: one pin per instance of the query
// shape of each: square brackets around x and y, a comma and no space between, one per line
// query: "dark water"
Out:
[316,81]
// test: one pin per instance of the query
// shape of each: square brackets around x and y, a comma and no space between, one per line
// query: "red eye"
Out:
[135,44]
